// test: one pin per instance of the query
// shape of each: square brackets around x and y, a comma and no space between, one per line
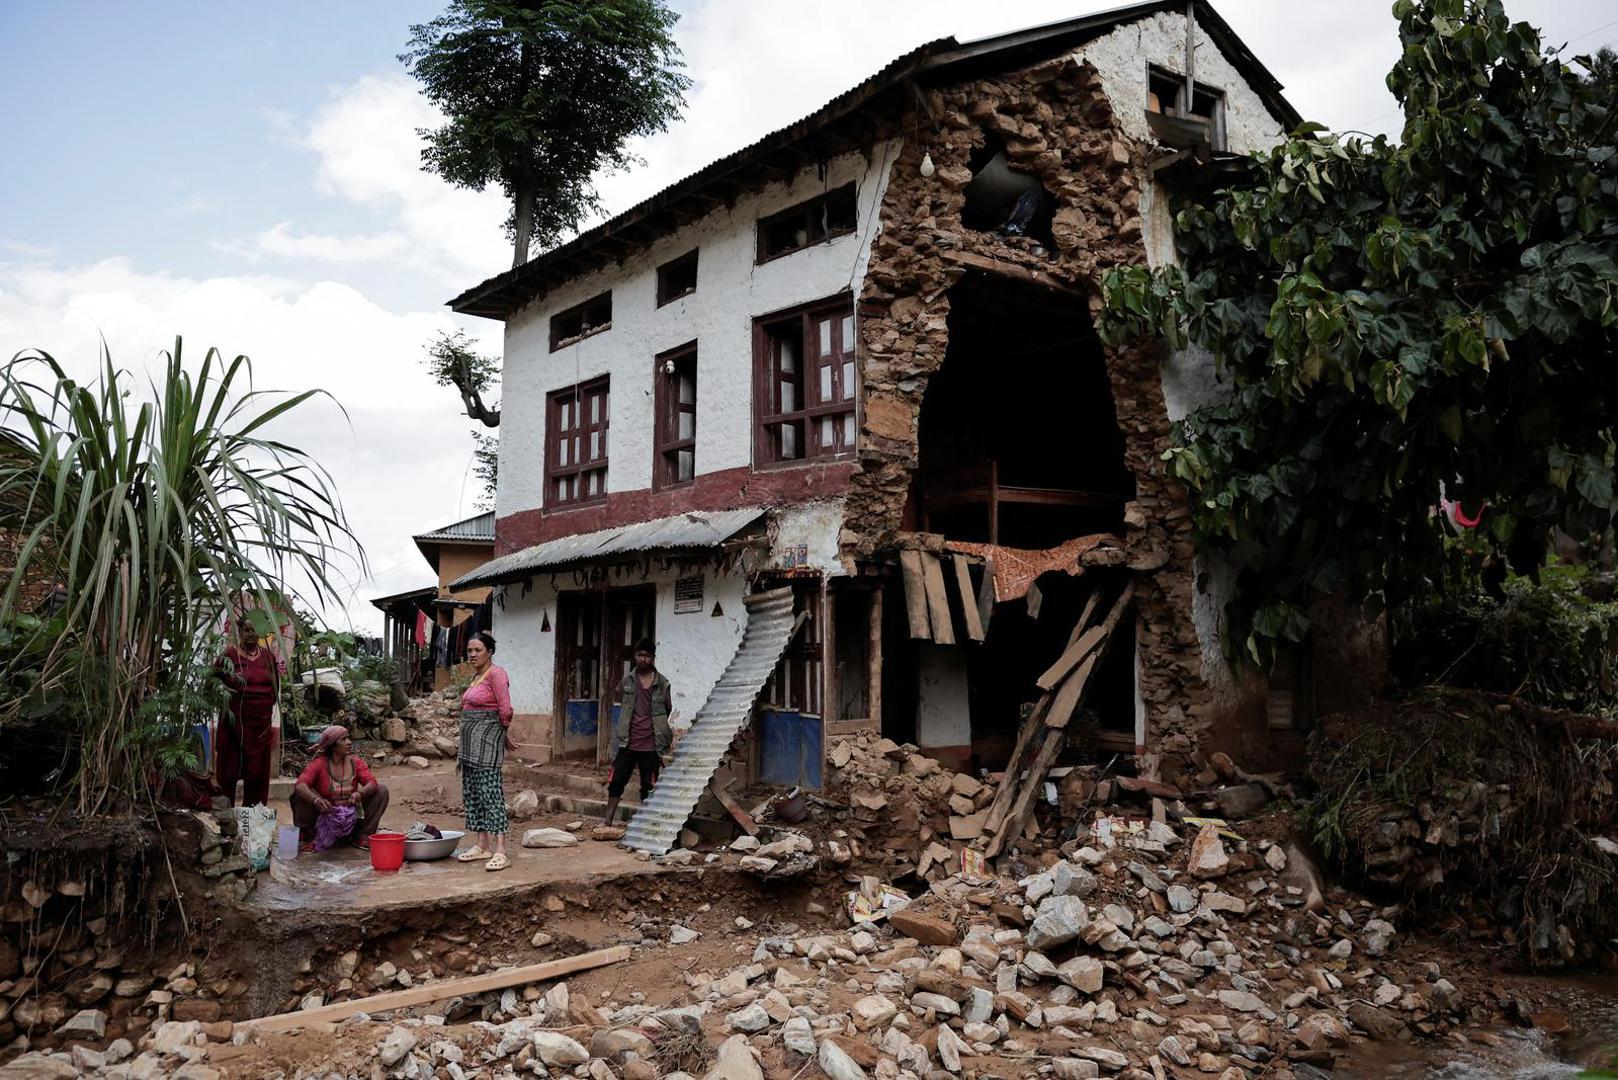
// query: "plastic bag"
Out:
[255,832]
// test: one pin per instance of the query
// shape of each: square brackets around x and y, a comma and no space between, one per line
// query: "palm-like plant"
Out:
[147,515]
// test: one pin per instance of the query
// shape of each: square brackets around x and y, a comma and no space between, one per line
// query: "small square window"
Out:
[677,278]
[581,320]
[815,221]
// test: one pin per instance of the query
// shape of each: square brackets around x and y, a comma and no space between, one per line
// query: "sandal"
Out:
[499,862]
[472,854]
[306,847]
[363,843]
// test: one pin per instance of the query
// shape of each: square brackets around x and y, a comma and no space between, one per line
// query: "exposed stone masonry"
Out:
[1056,122]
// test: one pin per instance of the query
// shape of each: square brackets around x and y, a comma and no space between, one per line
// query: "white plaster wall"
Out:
[692,649]
[815,525]
[1121,58]
[731,292]
[942,714]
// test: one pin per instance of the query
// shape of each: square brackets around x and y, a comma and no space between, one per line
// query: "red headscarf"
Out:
[328,739]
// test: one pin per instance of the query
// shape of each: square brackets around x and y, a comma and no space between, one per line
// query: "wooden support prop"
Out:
[1014,765]
[937,600]
[740,816]
[969,607]
[1022,809]
[1065,663]
[423,995]
[915,595]
[1070,694]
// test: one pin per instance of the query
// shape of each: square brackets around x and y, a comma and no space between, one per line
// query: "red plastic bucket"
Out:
[387,850]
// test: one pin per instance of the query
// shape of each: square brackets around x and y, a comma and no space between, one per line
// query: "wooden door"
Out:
[630,615]
[578,673]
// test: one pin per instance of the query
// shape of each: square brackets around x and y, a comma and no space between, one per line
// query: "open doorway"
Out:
[595,649]
[1019,441]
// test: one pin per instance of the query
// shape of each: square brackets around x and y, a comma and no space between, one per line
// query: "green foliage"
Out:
[486,467]
[148,513]
[1552,642]
[540,96]
[1397,323]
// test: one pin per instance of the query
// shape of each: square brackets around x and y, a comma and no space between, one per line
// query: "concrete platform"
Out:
[342,879]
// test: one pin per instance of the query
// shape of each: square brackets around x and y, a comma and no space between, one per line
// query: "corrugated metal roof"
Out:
[472,530]
[683,532]
[505,292]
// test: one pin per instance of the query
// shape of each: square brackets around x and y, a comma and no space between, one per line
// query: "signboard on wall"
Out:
[688,595]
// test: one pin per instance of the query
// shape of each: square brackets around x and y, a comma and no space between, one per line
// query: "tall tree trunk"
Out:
[524,220]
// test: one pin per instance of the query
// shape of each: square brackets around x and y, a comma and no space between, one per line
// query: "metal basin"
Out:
[427,850]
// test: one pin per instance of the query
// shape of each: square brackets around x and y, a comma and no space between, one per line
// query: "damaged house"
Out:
[829,420]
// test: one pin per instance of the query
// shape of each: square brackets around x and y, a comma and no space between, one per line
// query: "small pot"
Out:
[792,808]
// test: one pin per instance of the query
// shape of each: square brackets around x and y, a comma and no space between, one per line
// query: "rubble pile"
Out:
[904,808]
[1143,949]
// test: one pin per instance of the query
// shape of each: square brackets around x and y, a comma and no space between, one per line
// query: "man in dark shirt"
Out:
[642,732]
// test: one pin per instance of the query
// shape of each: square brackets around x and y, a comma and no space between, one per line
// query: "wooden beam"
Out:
[969,606]
[438,991]
[937,600]
[740,816]
[915,594]
[873,693]
[1012,271]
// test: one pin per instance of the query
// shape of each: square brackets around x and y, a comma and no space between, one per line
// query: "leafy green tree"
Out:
[541,95]
[453,361]
[148,513]
[1401,323]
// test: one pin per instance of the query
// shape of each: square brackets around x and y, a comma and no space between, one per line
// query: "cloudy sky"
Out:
[247,176]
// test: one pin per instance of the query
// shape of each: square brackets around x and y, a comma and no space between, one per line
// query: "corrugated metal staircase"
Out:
[769,627]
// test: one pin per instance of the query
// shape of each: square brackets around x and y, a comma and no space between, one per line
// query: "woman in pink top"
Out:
[485,738]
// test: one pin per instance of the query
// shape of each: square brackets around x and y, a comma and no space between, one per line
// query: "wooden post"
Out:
[873,694]
[994,501]
[830,709]
[603,682]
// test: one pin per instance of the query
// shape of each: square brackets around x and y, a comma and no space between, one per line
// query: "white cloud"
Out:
[367,152]
[399,459]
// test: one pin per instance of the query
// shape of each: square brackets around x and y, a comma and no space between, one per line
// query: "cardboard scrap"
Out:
[1219,823]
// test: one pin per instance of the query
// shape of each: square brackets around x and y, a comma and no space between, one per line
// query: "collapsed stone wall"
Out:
[1055,122]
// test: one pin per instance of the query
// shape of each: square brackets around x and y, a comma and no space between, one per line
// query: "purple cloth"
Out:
[333,825]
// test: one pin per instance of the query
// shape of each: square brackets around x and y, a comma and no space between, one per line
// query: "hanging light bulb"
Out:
[927,164]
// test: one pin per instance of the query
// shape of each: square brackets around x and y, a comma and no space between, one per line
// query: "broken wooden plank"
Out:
[737,814]
[986,593]
[915,595]
[1014,765]
[1073,690]
[1023,807]
[1035,599]
[438,991]
[969,608]
[1069,659]
[1070,694]
[937,599]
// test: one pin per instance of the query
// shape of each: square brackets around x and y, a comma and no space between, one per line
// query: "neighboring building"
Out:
[857,353]
[426,629]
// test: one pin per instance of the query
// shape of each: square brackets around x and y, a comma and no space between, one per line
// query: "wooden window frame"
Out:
[811,406]
[666,440]
[566,462]
[806,213]
[561,340]
[665,291]
[1217,137]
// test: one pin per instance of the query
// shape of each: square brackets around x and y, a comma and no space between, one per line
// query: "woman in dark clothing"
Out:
[246,736]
